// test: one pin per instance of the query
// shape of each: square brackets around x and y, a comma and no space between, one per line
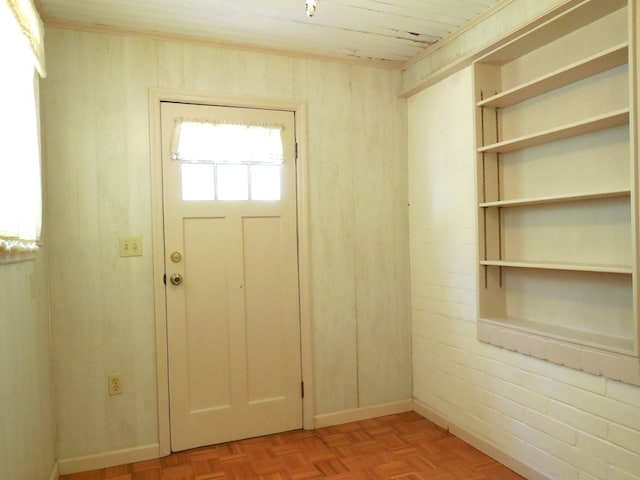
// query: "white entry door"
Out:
[231,268]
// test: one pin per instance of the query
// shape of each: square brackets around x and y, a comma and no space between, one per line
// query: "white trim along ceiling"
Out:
[384,32]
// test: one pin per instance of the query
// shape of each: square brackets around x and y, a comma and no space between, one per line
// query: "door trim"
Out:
[299,108]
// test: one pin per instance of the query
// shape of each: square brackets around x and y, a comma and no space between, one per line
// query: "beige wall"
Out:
[96,125]
[564,423]
[27,426]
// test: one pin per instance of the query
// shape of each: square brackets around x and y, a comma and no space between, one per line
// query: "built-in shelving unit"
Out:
[558,191]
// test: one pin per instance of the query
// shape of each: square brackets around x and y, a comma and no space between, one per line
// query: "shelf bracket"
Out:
[500,241]
[484,245]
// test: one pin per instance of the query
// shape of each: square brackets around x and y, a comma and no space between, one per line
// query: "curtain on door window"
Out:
[210,142]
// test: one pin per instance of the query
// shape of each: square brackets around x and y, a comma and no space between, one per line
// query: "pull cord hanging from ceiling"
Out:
[311,7]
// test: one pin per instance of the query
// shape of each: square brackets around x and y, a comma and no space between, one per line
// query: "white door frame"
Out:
[299,108]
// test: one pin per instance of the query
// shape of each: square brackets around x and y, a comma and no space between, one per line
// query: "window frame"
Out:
[23,29]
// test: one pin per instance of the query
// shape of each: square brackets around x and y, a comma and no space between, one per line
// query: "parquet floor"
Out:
[404,446]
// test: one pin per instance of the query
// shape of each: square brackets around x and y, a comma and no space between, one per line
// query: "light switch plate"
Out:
[130,246]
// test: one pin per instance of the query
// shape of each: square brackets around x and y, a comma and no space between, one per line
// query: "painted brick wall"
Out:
[563,423]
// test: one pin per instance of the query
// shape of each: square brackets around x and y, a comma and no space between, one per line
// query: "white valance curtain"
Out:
[21,54]
[208,141]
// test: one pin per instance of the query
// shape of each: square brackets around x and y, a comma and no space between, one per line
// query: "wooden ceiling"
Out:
[382,31]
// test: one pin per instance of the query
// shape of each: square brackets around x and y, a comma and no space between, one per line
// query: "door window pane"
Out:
[228,161]
[265,182]
[233,182]
[198,181]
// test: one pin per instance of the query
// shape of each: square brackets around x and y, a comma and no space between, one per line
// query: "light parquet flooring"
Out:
[404,446]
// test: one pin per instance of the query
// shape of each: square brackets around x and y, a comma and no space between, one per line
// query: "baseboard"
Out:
[363,413]
[55,472]
[521,468]
[109,459]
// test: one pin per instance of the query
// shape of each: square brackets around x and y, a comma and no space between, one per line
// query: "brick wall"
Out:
[563,423]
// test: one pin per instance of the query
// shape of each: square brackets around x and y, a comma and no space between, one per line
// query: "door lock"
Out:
[175,279]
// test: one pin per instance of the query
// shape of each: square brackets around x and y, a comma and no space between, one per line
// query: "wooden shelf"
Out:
[601,62]
[591,339]
[556,199]
[547,30]
[572,267]
[593,124]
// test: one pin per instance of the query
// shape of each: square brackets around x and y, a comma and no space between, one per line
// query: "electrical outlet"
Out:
[130,246]
[115,384]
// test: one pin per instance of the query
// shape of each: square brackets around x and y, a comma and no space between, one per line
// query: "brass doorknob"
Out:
[175,279]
